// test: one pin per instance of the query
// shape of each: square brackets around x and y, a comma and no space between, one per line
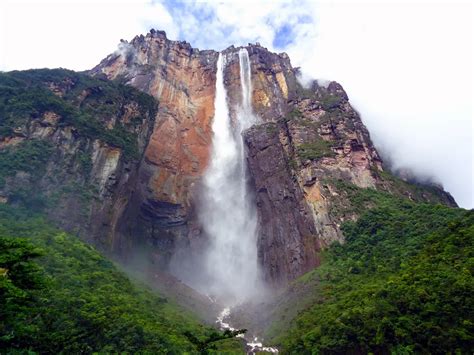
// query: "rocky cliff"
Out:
[308,139]
[182,79]
[71,145]
[309,145]
[301,164]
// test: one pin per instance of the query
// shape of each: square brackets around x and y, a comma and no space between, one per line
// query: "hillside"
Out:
[59,295]
[70,145]
[402,282]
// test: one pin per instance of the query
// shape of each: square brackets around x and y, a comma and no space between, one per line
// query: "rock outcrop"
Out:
[298,164]
[72,145]
[288,242]
[182,79]
[294,162]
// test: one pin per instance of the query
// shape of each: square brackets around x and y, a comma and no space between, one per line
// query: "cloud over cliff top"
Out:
[407,67]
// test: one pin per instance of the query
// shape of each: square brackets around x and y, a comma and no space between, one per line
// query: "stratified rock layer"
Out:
[182,79]
[85,139]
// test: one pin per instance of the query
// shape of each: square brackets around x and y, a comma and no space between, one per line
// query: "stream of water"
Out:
[254,345]
[227,213]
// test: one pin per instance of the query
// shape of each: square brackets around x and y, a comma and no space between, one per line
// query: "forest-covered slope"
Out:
[402,283]
[71,146]
[59,295]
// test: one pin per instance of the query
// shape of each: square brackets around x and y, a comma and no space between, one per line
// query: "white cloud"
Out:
[72,34]
[406,66]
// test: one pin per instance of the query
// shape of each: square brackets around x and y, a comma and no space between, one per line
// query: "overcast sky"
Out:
[407,67]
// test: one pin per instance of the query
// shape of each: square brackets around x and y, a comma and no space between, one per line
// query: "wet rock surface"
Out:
[287,243]
[182,78]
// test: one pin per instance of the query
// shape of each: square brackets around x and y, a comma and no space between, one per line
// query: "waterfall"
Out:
[247,118]
[227,212]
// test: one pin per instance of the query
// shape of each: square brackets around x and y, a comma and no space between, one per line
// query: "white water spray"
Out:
[227,213]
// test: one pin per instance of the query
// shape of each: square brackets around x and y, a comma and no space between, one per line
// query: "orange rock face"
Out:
[273,81]
[180,142]
[183,81]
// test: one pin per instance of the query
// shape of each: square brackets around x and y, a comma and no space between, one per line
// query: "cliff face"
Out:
[307,140]
[71,145]
[273,81]
[301,165]
[294,162]
[144,166]
[182,78]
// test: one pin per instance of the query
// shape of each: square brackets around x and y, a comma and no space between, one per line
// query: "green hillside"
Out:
[59,295]
[402,283]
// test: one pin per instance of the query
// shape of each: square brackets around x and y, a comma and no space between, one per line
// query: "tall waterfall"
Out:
[227,214]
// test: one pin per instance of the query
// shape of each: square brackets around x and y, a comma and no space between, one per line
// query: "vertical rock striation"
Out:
[72,145]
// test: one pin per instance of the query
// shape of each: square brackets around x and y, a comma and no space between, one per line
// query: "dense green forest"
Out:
[59,295]
[402,283]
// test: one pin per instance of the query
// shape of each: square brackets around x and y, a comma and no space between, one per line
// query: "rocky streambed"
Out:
[253,344]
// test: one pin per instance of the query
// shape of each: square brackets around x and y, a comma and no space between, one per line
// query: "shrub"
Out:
[315,150]
[60,295]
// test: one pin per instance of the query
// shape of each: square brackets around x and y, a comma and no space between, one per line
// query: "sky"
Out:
[406,65]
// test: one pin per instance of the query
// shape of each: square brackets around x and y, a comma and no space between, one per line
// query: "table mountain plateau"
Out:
[117,156]
[141,187]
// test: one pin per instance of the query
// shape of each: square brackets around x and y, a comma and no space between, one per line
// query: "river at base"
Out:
[253,344]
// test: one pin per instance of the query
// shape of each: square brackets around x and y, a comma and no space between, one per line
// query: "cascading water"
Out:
[227,213]
[246,117]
